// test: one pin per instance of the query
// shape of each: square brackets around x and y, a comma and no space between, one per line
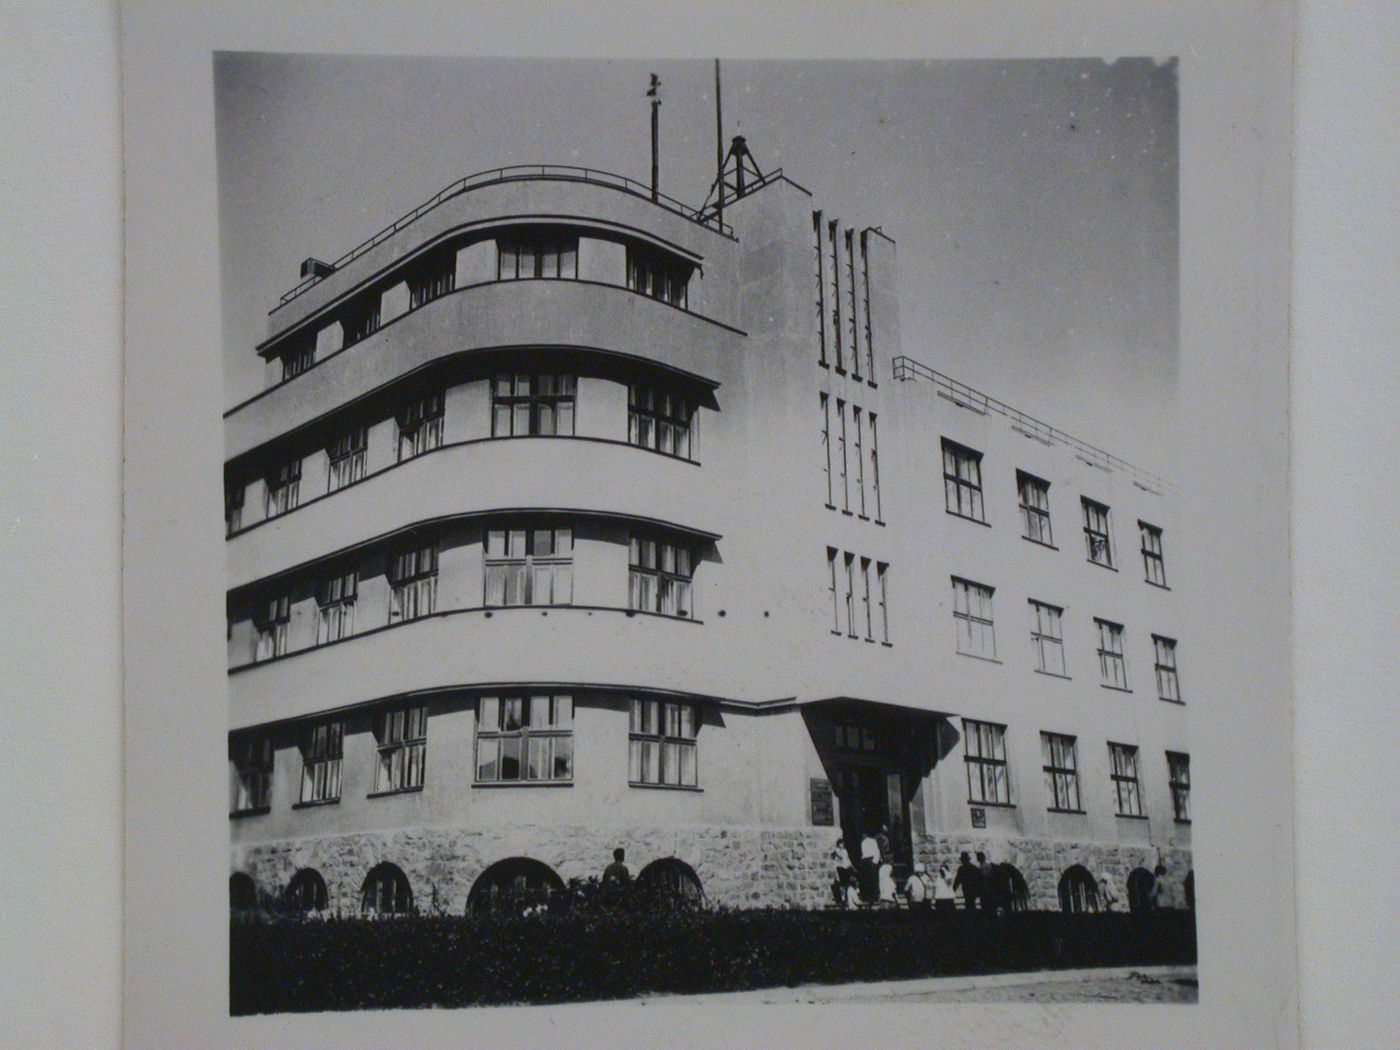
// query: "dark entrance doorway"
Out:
[872,797]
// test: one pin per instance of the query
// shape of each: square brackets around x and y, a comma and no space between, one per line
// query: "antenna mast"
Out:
[719,144]
[654,93]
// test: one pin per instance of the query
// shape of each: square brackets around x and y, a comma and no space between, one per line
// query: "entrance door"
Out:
[870,797]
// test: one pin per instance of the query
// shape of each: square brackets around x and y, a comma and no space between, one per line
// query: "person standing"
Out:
[616,877]
[969,880]
[869,867]
[987,881]
[945,899]
[917,888]
[1157,893]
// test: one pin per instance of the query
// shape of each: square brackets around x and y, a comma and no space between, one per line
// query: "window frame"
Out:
[235,500]
[1035,515]
[400,730]
[955,457]
[1168,678]
[978,794]
[668,738]
[499,565]
[412,572]
[335,606]
[1061,779]
[1179,781]
[540,245]
[677,581]
[1112,632]
[298,360]
[660,411]
[655,274]
[254,764]
[1125,772]
[273,626]
[283,488]
[322,748]
[556,392]
[1093,509]
[346,457]
[555,728]
[419,425]
[1150,537]
[968,624]
[1040,636]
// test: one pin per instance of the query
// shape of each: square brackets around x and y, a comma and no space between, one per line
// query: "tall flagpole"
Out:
[719,148]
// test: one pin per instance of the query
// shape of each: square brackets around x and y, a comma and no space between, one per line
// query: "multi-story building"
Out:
[573,518]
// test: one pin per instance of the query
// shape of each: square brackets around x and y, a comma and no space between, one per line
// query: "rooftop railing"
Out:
[907,369]
[520,173]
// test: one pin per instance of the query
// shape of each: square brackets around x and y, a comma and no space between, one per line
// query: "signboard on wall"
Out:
[979,817]
[823,808]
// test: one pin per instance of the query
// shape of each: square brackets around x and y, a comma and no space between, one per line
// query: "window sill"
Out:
[239,814]
[888,645]
[396,791]
[522,783]
[848,513]
[991,805]
[1159,586]
[1169,700]
[1054,674]
[1068,812]
[967,517]
[666,787]
[1041,543]
[316,803]
[1131,816]
[1101,565]
[1178,820]
[829,506]
[878,522]
[1114,688]
[975,656]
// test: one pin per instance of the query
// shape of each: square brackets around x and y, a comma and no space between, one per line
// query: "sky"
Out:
[1034,203]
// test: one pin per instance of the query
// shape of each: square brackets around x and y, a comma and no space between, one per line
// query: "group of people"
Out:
[870,880]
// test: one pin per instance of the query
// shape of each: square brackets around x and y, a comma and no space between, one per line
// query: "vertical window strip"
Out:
[273,624]
[253,764]
[882,577]
[857,424]
[345,458]
[403,746]
[284,488]
[868,611]
[1047,638]
[831,553]
[834,254]
[1179,779]
[875,466]
[841,448]
[869,325]
[1168,687]
[853,291]
[821,289]
[1097,535]
[1111,663]
[1035,508]
[850,595]
[972,615]
[962,481]
[336,599]
[826,446]
[322,752]
[1127,787]
[1154,566]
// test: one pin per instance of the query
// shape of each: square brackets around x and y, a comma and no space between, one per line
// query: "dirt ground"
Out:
[1137,988]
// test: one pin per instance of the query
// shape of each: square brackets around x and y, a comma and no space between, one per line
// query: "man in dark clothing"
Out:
[969,880]
[987,881]
[616,878]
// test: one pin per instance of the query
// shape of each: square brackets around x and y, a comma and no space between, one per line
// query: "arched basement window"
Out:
[1140,882]
[667,882]
[513,884]
[1078,890]
[242,892]
[306,892]
[386,891]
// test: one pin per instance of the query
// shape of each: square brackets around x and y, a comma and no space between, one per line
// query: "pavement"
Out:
[1128,984]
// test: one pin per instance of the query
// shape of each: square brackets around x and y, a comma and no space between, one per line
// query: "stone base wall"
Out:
[741,867]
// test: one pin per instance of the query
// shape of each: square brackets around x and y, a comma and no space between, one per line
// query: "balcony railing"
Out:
[520,173]
[907,369]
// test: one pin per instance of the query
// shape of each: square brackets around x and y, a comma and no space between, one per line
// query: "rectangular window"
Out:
[1179,777]
[881,575]
[853,292]
[538,253]
[857,425]
[659,578]
[834,279]
[273,621]
[1168,688]
[532,405]
[284,488]
[869,327]
[850,584]
[841,456]
[432,278]
[529,566]
[962,481]
[826,446]
[852,737]
[867,609]
[661,743]
[821,289]
[420,426]
[661,421]
[1035,508]
[1112,669]
[403,749]
[831,553]
[656,275]
[1061,755]
[1047,638]
[972,615]
[874,467]
[413,583]
[346,458]
[1097,538]
[1152,563]
[984,750]
[252,765]
[524,739]
[233,507]
[361,318]
[298,360]
[321,750]
[1127,789]
[336,598]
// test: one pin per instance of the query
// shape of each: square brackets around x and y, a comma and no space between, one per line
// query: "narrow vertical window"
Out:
[420,426]
[284,488]
[1047,638]
[821,289]
[299,359]
[1061,756]
[868,612]
[1168,688]
[252,765]
[525,738]
[1152,563]
[413,583]
[831,588]
[403,749]
[875,467]
[1112,668]
[851,595]
[659,577]
[835,278]
[432,278]
[661,743]
[984,752]
[336,598]
[869,326]
[233,507]
[345,458]
[962,481]
[657,275]
[852,289]
[972,615]
[826,446]
[1097,537]
[321,752]
[273,622]
[660,420]
[529,566]
[841,450]
[881,576]
[858,426]
[361,318]
[1126,786]
[1035,508]
[1179,778]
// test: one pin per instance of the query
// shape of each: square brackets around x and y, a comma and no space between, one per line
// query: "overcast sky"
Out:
[1034,203]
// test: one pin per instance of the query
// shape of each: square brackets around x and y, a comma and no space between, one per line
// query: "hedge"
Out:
[453,961]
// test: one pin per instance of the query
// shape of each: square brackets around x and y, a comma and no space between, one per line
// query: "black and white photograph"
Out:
[728,538]
[681,539]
